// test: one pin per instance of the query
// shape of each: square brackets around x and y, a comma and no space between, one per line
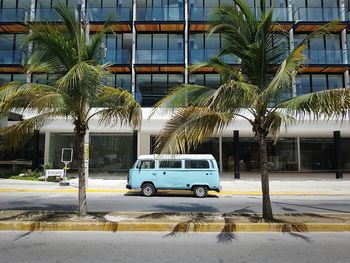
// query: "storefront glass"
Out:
[111,152]
[108,152]
[317,154]
[282,156]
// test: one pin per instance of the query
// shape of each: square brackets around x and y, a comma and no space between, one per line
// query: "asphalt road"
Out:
[160,247]
[173,203]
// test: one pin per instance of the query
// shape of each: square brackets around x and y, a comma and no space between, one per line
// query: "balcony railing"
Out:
[118,56]
[280,14]
[11,57]
[98,14]
[200,55]
[335,56]
[13,15]
[160,14]
[46,15]
[159,56]
[318,14]
[205,13]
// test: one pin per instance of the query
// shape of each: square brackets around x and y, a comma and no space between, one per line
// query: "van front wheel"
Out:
[200,191]
[148,190]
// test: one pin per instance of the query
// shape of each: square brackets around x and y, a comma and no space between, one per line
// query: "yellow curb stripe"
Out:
[6,190]
[173,227]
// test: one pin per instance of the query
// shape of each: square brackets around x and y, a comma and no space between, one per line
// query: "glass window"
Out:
[145,164]
[212,80]
[303,85]
[123,81]
[175,42]
[39,78]
[317,154]
[298,38]
[170,164]
[111,152]
[317,43]
[335,81]
[160,41]
[197,79]
[20,77]
[333,41]
[4,78]
[197,164]
[144,41]
[212,42]
[319,82]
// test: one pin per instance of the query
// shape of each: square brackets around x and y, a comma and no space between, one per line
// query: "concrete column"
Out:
[344,46]
[338,155]
[186,41]
[87,153]
[298,154]
[290,10]
[291,46]
[133,58]
[134,145]
[236,155]
[220,154]
[47,148]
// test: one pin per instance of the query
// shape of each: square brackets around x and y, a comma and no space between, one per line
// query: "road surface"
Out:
[152,247]
[173,203]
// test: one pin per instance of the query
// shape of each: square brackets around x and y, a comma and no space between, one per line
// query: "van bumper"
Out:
[128,186]
[218,189]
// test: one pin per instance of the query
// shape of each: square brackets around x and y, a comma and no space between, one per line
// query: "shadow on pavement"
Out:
[169,194]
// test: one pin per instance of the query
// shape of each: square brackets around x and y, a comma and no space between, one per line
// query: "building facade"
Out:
[155,42]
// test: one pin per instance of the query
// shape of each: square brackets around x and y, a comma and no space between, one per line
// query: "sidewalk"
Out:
[278,186]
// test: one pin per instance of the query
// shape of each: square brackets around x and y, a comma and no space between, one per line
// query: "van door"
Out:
[146,172]
[169,174]
[198,172]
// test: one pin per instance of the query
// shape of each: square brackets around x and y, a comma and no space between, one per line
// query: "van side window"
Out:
[196,164]
[145,164]
[170,164]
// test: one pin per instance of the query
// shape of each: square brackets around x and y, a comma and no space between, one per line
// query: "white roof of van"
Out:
[177,156]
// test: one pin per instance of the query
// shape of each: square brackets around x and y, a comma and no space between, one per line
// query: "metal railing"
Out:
[102,14]
[318,14]
[200,55]
[13,15]
[160,14]
[159,56]
[117,56]
[332,56]
[12,57]
[46,15]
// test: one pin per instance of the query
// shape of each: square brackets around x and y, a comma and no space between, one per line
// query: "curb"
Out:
[172,227]
[254,193]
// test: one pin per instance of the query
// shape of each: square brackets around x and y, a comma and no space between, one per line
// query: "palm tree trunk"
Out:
[81,172]
[266,204]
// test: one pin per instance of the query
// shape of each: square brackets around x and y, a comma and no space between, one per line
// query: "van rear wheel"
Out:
[148,189]
[200,191]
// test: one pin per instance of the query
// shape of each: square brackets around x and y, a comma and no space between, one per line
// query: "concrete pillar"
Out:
[344,46]
[220,154]
[133,58]
[134,145]
[236,155]
[186,41]
[291,46]
[338,155]
[47,148]
[87,153]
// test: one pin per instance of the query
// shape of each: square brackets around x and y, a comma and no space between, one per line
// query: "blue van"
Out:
[196,172]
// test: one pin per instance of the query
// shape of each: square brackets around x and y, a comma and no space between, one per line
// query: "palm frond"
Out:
[189,127]
[286,73]
[119,107]
[329,103]
[182,96]
[18,134]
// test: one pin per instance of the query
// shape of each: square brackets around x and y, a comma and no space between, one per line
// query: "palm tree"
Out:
[255,92]
[77,92]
